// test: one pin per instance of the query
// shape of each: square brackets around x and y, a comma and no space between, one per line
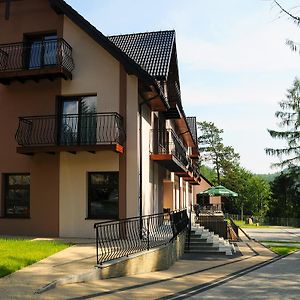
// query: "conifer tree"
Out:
[213,150]
[289,117]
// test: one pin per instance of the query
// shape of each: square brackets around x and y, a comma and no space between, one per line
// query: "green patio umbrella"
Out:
[219,191]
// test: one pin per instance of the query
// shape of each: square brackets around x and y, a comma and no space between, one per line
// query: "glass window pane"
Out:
[17,195]
[88,125]
[35,55]
[103,195]
[89,105]
[50,50]
[69,122]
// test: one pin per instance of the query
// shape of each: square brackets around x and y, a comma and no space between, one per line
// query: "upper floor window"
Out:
[17,195]
[41,50]
[78,120]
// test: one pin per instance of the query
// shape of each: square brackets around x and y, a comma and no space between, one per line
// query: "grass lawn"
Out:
[16,254]
[282,250]
[286,248]
[243,225]
[281,242]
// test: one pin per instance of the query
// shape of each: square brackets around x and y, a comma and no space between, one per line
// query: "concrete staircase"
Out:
[206,242]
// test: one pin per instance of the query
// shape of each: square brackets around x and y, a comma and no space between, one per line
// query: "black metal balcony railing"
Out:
[71,130]
[168,142]
[116,239]
[196,171]
[36,55]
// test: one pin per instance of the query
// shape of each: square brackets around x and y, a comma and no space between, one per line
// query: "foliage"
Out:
[290,123]
[259,195]
[212,149]
[254,192]
[268,177]
[17,253]
[286,194]
[209,173]
[293,46]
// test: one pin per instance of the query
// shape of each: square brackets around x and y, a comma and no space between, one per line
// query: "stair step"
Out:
[205,251]
[198,239]
[210,248]
[201,244]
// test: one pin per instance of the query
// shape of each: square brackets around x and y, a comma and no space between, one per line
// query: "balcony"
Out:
[71,133]
[167,149]
[48,59]
[191,174]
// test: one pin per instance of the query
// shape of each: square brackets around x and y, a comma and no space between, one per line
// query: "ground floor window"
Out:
[103,195]
[17,195]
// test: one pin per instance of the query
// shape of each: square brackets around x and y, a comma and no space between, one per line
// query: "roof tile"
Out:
[151,50]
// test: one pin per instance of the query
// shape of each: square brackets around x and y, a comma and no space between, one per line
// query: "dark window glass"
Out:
[103,195]
[17,195]
[41,51]
[78,120]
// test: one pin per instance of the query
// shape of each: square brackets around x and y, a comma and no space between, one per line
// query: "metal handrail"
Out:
[36,55]
[234,227]
[71,130]
[121,238]
[166,141]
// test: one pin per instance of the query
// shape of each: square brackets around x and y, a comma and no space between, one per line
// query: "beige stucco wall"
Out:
[148,167]
[73,190]
[96,71]
[132,148]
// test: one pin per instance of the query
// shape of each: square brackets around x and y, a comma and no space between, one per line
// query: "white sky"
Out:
[233,62]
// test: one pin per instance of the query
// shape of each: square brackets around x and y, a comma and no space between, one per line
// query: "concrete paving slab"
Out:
[279,280]
[185,274]
[274,234]
[22,284]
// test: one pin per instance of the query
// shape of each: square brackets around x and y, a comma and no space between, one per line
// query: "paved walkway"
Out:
[279,280]
[187,273]
[77,259]
[274,234]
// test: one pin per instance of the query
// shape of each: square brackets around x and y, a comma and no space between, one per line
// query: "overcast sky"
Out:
[233,62]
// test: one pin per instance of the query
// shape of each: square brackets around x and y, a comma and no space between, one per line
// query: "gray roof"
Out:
[151,50]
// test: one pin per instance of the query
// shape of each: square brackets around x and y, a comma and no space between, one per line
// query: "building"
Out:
[92,127]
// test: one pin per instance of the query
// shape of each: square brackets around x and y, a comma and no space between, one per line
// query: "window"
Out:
[78,120]
[41,50]
[17,195]
[103,195]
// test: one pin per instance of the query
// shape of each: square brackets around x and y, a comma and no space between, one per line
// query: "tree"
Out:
[286,194]
[289,116]
[209,173]
[254,192]
[294,46]
[259,196]
[213,150]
